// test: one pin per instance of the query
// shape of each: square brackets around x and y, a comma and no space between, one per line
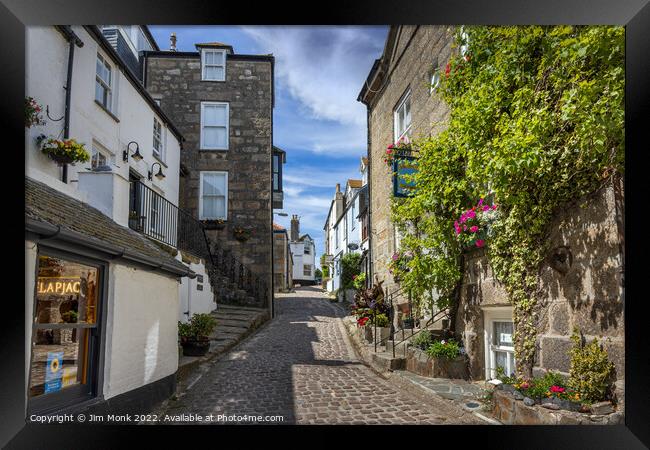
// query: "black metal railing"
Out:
[402,330]
[156,217]
[152,214]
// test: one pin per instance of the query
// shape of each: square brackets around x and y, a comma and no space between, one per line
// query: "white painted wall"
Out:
[46,70]
[141,330]
[193,300]
[300,259]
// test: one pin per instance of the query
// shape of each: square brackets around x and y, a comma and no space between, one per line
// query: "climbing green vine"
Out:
[536,121]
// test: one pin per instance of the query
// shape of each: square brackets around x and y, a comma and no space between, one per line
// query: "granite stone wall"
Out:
[581,285]
[419,49]
[249,91]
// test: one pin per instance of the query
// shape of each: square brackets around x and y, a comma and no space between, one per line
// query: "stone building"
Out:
[223,103]
[282,260]
[581,282]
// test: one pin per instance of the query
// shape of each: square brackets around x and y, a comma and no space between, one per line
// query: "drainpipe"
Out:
[73,40]
[369,153]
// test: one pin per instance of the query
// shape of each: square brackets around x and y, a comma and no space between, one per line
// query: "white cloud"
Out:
[323,67]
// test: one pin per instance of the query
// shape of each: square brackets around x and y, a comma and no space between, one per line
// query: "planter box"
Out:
[419,362]
[510,411]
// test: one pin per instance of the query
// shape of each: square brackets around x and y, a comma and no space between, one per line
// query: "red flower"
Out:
[448,69]
[557,389]
[361,322]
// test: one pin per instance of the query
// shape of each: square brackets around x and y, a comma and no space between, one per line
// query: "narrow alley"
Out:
[302,367]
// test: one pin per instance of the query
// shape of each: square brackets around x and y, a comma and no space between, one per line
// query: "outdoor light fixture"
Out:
[160,175]
[137,156]
[281,214]
[353,246]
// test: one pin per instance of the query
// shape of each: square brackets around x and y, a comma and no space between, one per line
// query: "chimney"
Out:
[172,39]
[338,202]
[295,228]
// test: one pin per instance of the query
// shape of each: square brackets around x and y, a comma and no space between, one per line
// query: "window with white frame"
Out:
[213,65]
[402,117]
[306,271]
[158,147]
[214,125]
[213,195]
[104,83]
[499,343]
[307,250]
[99,156]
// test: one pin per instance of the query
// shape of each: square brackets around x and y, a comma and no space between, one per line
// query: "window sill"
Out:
[213,149]
[214,81]
[107,111]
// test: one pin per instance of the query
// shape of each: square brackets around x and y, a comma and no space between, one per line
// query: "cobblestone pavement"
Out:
[302,367]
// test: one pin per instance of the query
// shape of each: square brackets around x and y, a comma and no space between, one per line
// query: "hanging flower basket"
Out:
[403,147]
[241,234]
[398,264]
[63,152]
[33,113]
[214,224]
[474,225]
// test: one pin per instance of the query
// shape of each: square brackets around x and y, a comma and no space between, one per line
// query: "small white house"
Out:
[105,285]
[303,251]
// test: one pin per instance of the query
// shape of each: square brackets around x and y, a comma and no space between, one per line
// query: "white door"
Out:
[499,343]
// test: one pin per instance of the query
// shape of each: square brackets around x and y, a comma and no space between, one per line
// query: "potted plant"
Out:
[407,321]
[214,224]
[195,335]
[474,225]
[241,234]
[33,113]
[67,151]
[402,147]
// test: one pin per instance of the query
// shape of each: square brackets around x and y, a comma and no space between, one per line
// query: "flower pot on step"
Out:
[195,347]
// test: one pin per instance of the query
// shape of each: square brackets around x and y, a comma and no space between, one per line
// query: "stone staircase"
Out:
[228,292]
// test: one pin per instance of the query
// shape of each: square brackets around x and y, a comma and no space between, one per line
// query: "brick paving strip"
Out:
[302,366]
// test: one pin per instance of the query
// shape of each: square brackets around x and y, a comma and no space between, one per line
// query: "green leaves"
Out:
[537,118]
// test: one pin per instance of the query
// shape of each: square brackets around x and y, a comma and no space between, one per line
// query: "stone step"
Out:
[386,362]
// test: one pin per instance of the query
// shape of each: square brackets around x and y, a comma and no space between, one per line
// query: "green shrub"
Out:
[381,320]
[198,328]
[349,268]
[591,373]
[422,340]
[444,349]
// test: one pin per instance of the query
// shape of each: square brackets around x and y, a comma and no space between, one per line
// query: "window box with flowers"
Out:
[67,151]
[214,224]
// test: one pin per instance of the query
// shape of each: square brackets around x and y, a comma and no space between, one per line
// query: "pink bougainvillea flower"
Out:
[480,202]
[486,208]
[471,214]
[480,242]
[473,229]
[464,227]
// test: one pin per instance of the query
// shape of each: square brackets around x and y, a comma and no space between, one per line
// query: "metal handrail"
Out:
[434,318]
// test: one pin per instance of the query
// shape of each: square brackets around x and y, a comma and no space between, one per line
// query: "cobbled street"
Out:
[301,366]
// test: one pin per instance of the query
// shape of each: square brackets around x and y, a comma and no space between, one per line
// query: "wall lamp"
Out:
[160,175]
[281,214]
[125,154]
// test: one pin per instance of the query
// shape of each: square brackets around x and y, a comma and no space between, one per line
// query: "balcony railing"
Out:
[156,217]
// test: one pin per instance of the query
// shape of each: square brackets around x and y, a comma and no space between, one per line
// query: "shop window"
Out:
[65,332]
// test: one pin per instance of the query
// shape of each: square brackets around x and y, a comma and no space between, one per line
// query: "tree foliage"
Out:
[536,120]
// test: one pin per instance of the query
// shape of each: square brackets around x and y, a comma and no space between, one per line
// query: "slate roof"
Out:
[45,204]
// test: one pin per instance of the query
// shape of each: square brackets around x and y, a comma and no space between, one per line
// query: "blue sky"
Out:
[319,71]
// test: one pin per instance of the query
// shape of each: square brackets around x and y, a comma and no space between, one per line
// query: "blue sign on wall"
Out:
[53,371]
[402,166]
